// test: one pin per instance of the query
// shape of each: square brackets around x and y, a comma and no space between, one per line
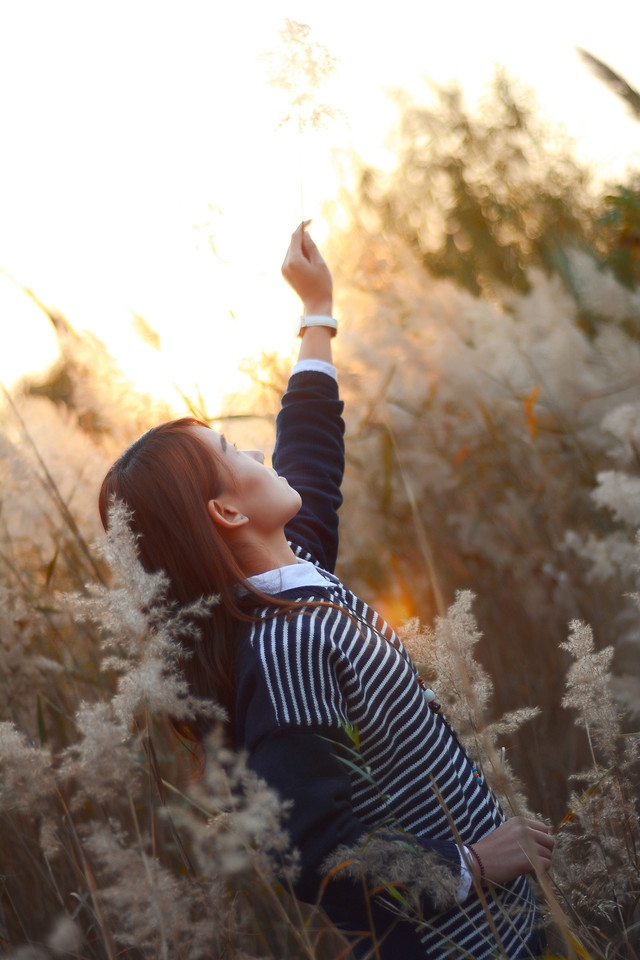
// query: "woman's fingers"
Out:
[295,252]
[534,824]
[305,270]
[309,248]
[539,834]
[298,238]
[537,844]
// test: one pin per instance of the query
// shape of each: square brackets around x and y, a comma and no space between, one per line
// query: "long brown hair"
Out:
[166,478]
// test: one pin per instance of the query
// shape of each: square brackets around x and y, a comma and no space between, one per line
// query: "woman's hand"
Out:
[304,269]
[515,847]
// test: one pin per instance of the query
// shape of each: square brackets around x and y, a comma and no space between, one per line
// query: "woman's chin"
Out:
[297,508]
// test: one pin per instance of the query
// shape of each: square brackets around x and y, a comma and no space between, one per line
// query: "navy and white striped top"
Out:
[306,679]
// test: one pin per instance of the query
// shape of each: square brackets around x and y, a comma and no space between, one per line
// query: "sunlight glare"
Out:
[29,343]
[162,189]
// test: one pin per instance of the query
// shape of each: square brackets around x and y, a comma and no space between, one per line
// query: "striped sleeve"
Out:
[303,667]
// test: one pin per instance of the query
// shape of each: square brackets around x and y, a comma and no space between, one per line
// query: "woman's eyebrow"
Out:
[223,442]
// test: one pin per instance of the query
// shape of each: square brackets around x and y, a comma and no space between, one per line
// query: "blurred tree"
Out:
[621,220]
[481,198]
[620,226]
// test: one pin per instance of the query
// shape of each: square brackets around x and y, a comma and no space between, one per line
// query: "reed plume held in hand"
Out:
[299,68]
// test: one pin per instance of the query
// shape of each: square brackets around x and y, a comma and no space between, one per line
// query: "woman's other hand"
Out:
[516,846]
[305,270]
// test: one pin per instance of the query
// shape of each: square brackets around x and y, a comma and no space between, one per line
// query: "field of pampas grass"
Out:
[110,848]
[491,512]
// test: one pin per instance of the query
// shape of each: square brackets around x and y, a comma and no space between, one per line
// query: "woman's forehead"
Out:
[213,439]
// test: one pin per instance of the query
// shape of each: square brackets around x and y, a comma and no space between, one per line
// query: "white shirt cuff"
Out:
[319,366]
[466,878]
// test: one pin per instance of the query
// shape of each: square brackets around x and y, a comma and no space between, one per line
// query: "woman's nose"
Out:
[256,454]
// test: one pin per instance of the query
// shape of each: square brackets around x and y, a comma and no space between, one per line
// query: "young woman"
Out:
[305,669]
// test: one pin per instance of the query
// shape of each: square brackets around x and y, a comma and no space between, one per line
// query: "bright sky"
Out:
[125,124]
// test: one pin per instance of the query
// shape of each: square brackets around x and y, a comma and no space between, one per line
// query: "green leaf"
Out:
[364,772]
[393,892]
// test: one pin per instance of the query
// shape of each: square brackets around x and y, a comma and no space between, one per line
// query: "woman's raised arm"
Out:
[309,449]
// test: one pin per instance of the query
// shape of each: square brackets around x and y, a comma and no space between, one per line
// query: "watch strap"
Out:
[316,320]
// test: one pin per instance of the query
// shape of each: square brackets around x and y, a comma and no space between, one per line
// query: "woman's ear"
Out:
[225,515]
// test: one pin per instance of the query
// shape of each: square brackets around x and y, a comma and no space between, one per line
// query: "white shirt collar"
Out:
[300,574]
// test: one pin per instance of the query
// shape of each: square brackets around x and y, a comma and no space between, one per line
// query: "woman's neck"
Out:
[259,556]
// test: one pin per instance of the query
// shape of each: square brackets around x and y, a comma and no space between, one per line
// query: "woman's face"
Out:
[254,490]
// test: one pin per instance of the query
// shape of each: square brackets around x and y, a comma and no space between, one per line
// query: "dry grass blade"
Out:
[423,540]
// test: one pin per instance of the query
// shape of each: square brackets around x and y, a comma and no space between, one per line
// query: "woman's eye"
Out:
[228,443]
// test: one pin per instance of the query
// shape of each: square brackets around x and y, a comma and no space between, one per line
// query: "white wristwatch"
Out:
[316,320]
